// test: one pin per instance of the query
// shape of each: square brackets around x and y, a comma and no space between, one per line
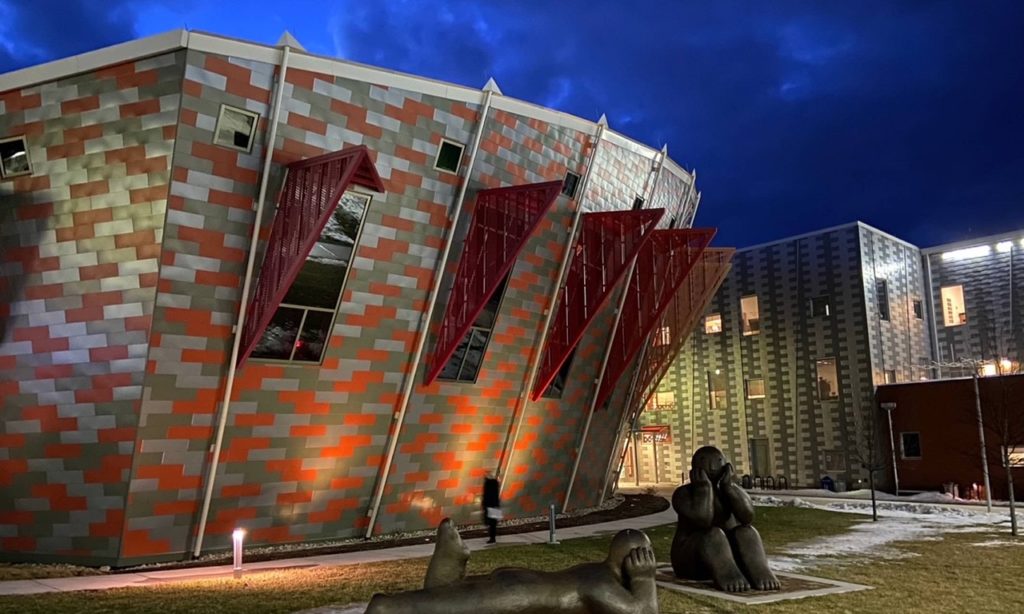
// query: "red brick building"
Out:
[935,433]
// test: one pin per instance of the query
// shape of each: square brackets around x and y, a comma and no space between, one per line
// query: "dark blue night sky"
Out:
[908,115]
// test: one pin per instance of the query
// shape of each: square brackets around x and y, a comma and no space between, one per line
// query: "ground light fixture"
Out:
[237,536]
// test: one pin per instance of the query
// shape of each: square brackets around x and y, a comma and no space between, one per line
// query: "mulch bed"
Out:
[631,507]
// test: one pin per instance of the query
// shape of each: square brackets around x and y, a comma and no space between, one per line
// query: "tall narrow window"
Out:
[954,310]
[557,385]
[14,157]
[821,306]
[755,388]
[663,336]
[828,379]
[713,324]
[882,294]
[300,328]
[638,203]
[716,389]
[465,363]
[750,314]
[569,184]
[918,309]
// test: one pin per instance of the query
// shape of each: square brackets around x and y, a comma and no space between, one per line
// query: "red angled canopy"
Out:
[608,242]
[310,194]
[679,320]
[661,268]
[502,222]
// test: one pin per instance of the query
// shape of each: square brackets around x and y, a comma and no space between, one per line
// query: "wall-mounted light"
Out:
[1006,365]
[236,538]
[1004,246]
[988,369]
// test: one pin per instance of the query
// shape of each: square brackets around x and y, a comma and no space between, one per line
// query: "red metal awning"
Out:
[679,320]
[310,194]
[502,222]
[607,243]
[661,268]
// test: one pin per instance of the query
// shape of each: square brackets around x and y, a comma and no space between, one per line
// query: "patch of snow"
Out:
[998,542]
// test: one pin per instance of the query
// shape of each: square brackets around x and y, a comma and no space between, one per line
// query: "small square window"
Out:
[236,128]
[449,156]
[890,376]
[638,203]
[918,309]
[755,388]
[664,400]
[821,306]
[663,336]
[713,324]
[14,157]
[910,445]
[570,183]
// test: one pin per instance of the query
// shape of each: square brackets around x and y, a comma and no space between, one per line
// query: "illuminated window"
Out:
[890,376]
[755,388]
[882,295]
[301,326]
[1016,455]
[14,157]
[465,363]
[828,379]
[663,336]
[989,369]
[236,128]
[449,156]
[918,309]
[716,389]
[664,400]
[821,306]
[713,324]
[954,310]
[751,315]
[910,445]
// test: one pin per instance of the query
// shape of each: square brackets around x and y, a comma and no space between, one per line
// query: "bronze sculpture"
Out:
[621,584]
[714,538]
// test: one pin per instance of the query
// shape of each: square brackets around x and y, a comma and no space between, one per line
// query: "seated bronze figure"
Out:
[621,584]
[715,539]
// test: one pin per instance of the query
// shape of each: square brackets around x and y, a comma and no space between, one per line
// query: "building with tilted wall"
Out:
[384,352]
[783,371]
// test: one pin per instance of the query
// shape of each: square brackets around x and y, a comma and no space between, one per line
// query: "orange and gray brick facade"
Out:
[122,259]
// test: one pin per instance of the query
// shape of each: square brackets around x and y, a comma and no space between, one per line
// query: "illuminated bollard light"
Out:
[236,537]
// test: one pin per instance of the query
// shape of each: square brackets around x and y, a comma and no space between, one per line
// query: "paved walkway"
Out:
[149,578]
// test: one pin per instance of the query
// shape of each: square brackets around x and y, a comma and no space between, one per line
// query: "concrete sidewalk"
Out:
[149,578]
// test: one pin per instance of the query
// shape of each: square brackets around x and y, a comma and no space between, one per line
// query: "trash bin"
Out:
[840,486]
[827,483]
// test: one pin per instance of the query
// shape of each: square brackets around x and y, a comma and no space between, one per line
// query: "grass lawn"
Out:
[944,576]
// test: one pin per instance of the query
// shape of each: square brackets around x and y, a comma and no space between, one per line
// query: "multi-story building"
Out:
[435,294]
[781,374]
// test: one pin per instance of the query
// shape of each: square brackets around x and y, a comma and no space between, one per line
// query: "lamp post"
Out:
[236,539]
[889,407]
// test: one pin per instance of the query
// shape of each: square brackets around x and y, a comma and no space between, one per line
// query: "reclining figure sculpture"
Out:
[621,584]
[714,538]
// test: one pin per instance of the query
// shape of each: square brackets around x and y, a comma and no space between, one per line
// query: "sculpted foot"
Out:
[764,580]
[732,582]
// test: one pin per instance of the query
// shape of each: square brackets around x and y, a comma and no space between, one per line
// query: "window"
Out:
[465,363]
[14,158]
[821,306]
[828,379]
[638,203]
[301,326]
[236,128]
[569,184]
[882,295]
[664,400]
[713,324]
[716,389]
[663,336]
[918,309]
[750,314]
[755,388]
[449,156]
[910,445]
[954,310]
[890,376]
[557,385]
[1016,455]
[834,460]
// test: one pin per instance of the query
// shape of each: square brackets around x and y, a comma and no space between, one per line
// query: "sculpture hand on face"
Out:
[715,538]
[621,584]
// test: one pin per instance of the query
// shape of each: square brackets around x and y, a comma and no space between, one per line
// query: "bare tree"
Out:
[868,452]
[1004,422]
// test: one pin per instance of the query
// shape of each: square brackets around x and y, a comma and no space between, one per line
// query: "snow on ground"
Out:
[900,520]
[998,542]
